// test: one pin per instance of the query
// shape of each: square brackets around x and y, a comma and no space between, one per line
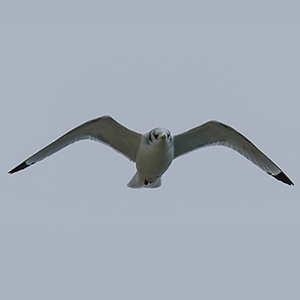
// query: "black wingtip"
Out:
[21,166]
[282,177]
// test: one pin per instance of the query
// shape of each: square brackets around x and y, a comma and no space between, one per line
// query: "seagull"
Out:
[154,151]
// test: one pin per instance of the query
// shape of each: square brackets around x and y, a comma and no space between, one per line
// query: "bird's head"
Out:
[159,135]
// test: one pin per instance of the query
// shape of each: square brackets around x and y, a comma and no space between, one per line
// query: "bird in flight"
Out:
[154,151]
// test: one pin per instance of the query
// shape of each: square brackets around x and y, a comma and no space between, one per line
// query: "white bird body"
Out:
[153,160]
[155,151]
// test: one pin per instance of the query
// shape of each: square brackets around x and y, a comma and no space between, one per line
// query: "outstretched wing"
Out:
[104,129]
[216,133]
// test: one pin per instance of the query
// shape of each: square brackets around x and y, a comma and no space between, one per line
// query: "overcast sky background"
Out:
[217,228]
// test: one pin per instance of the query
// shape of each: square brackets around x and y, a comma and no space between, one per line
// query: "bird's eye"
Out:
[155,135]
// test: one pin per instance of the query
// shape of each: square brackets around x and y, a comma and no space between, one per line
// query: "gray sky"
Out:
[218,226]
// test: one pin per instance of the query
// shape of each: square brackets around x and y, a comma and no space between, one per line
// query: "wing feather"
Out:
[104,129]
[216,133]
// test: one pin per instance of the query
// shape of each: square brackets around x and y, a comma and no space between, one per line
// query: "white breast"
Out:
[153,159]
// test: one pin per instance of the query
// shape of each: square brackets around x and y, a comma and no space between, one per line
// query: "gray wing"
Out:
[104,129]
[216,133]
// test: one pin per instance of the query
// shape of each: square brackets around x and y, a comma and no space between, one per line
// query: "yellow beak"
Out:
[163,137]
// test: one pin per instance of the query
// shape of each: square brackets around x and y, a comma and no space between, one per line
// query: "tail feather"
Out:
[137,182]
[134,182]
[155,184]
